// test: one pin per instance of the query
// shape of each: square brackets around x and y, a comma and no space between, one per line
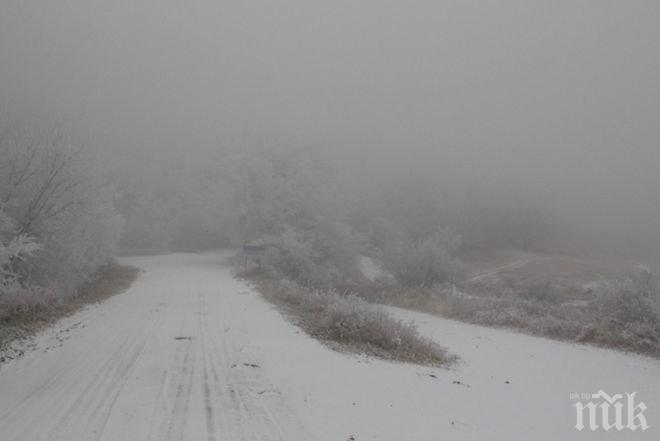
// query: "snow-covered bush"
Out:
[14,249]
[623,313]
[323,256]
[423,263]
[53,194]
[290,255]
[631,300]
[353,323]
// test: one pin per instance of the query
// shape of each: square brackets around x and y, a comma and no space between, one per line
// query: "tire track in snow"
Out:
[121,378]
[101,385]
[209,411]
[162,407]
[263,416]
[179,393]
[100,374]
[94,405]
[178,398]
[236,424]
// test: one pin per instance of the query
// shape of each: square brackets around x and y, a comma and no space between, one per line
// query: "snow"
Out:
[370,269]
[191,353]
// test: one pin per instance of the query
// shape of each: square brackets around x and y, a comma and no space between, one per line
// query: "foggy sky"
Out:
[559,97]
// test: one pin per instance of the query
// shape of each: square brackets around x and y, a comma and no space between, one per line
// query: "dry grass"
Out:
[25,320]
[347,322]
[603,317]
[601,303]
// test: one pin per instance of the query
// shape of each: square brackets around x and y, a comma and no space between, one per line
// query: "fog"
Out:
[551,105]
[252,219]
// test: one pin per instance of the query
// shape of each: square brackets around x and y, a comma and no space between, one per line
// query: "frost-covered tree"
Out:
[292,199]
[264,192]
[52,191]
[14,249]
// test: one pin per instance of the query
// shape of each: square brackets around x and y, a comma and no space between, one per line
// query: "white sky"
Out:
[561,95]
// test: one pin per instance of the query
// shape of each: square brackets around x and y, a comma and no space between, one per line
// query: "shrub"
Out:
[624,314]
[290,255]
[425,263]
[354,324]
[633,299]
[628,313]
[325,256]
[13,250]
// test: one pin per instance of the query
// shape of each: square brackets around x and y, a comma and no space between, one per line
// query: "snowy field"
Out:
[190,353]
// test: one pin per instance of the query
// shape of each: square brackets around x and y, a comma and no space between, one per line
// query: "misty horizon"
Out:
[558,100]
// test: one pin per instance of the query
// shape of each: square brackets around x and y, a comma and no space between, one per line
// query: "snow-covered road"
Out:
[189,353]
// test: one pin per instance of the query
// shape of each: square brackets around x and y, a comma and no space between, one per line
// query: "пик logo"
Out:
[610,412]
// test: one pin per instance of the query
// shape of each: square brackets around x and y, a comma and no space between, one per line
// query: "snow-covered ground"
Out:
[370,269]
[189,353]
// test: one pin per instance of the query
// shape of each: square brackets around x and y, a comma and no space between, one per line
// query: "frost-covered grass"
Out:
[347,322]
[22,316]
[623,313]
